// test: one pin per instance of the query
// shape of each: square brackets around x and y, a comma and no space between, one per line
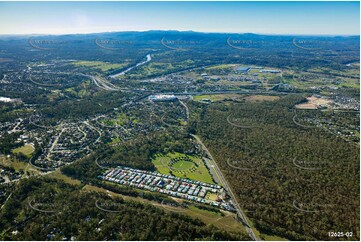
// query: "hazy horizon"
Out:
[268,18]
[181,31]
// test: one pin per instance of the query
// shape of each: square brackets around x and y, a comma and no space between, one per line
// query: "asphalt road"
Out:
[224,183]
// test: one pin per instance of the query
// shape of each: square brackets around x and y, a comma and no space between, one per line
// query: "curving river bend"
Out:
[149,58]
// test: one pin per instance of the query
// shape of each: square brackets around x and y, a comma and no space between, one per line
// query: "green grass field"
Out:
[183,165]
[104,66]
[27,150]
[18,165]
[58,175]
[222,66]
[193,169]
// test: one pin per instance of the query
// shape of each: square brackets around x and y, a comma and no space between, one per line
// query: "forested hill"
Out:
[296,182]
[212,48]
[48,209]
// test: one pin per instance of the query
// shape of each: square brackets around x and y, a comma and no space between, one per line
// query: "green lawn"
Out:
[27,150]
[193,169]
[183,165]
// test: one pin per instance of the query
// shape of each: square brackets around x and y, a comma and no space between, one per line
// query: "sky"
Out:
[313,18]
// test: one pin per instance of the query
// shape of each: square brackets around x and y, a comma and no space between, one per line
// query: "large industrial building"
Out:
[162,98]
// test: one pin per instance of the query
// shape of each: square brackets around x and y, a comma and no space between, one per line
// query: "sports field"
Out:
[184,166]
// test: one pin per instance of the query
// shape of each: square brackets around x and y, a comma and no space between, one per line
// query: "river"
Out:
[149,58]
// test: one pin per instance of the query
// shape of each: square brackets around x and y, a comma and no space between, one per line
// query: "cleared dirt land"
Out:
[314,102]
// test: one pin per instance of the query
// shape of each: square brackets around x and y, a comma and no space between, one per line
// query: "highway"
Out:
[224,183]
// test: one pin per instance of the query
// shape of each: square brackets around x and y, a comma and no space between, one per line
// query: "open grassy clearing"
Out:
[18,165]
[224,221]
[27,150]
[183,166]
[318,77]
[58,175]
[114,194]
[261,98]
[156,68]
[119,120]
[233,84]
[211,196]
[218,97]
[104,66]
[151,68]
[353,70]
[82,90]
[223,66]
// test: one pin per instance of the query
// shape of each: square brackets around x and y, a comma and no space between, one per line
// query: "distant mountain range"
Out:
[169,33]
